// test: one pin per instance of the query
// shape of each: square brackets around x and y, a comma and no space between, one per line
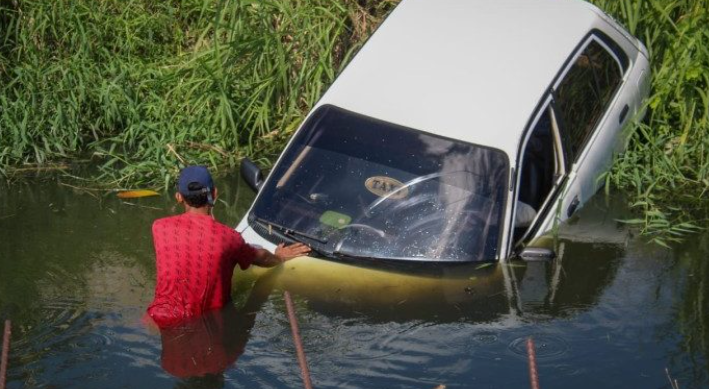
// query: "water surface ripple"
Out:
[76,275]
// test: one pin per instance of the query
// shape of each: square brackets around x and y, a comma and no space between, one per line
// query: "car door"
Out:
[590,104]
[592,111]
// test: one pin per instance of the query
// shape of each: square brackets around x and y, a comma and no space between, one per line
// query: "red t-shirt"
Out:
[195,257]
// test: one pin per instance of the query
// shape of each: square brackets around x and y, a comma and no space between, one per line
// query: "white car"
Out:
[461,131]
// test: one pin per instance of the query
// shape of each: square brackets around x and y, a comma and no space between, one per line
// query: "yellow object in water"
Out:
[347,288]
[134,194]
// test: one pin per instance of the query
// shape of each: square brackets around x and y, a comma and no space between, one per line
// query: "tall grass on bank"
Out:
[666,167]
[141,87]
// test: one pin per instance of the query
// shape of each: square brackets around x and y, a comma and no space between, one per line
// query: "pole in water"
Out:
[532,358]
[5,352]
[298,344]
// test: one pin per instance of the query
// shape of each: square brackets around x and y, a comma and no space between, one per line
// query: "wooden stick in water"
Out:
[296,339]
[5,352]
[532,358]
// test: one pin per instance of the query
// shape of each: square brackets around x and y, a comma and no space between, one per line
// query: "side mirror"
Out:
[251,174]
[531,254]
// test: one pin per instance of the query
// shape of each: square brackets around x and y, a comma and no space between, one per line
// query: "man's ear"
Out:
[215,193]
[179,198]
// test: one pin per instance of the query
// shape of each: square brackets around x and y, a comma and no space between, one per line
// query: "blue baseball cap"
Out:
[195,180]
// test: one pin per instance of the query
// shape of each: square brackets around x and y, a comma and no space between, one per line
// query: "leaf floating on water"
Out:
[134,194]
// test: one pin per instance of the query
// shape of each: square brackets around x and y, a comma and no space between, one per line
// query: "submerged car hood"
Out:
[475,291]
[342,290]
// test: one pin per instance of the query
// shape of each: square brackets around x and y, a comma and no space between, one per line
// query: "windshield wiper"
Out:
[346,255]
[289,232]
[349,255]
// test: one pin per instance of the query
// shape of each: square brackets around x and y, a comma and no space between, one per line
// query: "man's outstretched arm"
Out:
[265,258]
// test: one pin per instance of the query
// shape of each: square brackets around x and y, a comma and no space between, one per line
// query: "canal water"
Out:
[77,272]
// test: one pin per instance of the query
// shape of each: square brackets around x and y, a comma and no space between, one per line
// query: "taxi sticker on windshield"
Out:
[388,187]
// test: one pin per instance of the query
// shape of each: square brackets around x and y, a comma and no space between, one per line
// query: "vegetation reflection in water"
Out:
[76,274]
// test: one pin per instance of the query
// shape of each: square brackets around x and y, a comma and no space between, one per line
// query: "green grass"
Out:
[665,170]
[140,88]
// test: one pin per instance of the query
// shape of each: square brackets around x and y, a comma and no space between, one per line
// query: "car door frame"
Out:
[568,194]
[559,184]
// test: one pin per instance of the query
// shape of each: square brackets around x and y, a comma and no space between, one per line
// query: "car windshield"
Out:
[354,186]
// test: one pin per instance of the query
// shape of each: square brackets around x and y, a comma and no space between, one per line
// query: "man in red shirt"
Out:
[196,255]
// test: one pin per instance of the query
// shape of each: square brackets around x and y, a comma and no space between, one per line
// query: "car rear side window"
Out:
[584,94]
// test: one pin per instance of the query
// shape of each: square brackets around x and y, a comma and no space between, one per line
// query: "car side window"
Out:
[585,92]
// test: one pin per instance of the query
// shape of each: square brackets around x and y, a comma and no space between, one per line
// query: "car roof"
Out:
[472,70]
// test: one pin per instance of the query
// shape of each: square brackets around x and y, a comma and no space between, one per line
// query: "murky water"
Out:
[77,271]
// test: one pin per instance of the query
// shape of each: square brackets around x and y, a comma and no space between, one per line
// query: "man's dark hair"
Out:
[196,199]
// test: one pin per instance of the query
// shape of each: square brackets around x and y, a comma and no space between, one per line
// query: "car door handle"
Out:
[623,114]
[572,207]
